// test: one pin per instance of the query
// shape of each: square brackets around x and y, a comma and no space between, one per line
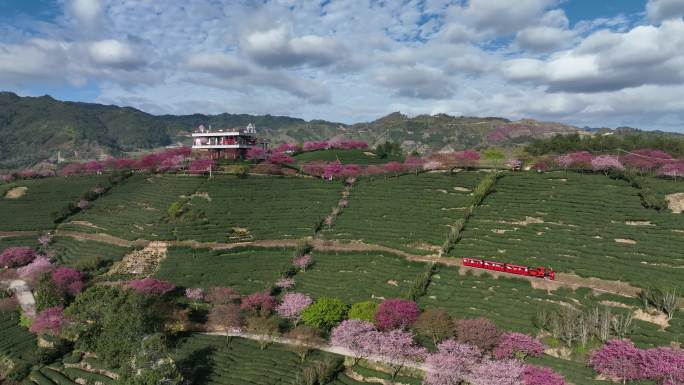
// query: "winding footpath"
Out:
[326,348]
[23,294]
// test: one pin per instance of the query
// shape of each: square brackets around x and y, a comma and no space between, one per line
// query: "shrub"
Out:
[619,359]
[363,311]
[436,324]
[480,332]
[517,345]
[534,375]
[396,314]
[325,313]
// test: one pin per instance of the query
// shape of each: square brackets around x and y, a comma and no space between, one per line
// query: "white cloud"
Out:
[356,60]
[277,48]
[607,61]
[113,53]
[659,10]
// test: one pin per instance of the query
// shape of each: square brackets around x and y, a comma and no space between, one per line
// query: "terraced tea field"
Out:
[136,208]
[30,204]
[236,209]
[512,303]
[77,252]
[211,360]
[15,341]
[245,270]
[587,224]
[411,213]
[355,277]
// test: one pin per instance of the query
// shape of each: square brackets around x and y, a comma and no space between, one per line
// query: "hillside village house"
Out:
[230,143]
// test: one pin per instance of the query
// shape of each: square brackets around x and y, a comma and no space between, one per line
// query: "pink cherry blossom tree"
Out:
[315,168]
[315,145]
[663,364]
[288,148]
[151,286]
[17,256]
[394,168]
[261,303]
[646,159]
[292,305]
[303,262]
[451,364]
[673,169]
[505,372]
[535,375]
[414,164]
[400,348]
[68,280]
[480,332]
[396,314]
[373,170]
[332,170]
[49,321]
[606,163]
[201,166]
[618,359]
[518,345]
[39,266]
[280,158]
[71,169]
[256,153]
[360,337]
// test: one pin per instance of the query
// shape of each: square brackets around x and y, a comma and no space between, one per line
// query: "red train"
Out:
[541,271]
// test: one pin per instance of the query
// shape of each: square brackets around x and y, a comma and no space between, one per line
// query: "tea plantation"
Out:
[36,207]
[16,343]
[411,213]
[246,270]
[591,225]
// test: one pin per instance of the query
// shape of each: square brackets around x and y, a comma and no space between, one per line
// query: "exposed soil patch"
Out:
[425,246]
[142,262]
[204,195]
[16,192]
[675,202]
[639,223]
[658,319]
[86,224]
[462,189]
[625,241]
[615,304]
[527,221]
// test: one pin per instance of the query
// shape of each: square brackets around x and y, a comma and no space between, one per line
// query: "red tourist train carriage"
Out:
[541,271]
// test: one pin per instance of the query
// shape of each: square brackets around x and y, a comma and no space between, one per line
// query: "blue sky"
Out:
[583,62]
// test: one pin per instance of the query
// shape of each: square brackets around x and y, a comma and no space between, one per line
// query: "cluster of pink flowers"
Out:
[292,305]
[288,147]
[82,204]
[151,286]
[337,170]
[49,321]
[452,363]
[302,262]
[68,280]
[194,294]
[39,266]
[644,159]
[17,256]
[517,345]
[261,302]
[201,166]
[621,360]
[535,375]
[396,314]
[168,160]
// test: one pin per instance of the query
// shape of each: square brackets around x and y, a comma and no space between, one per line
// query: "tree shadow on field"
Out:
[198,365]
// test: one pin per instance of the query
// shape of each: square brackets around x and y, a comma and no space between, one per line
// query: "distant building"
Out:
[230,143]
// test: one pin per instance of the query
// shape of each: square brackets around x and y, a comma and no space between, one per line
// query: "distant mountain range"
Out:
[35,129]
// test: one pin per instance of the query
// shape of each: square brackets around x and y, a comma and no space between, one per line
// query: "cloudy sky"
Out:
[584,62]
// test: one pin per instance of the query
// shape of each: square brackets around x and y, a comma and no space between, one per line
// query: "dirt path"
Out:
[326,348]
[24,296]
[562,279]
[12,234]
